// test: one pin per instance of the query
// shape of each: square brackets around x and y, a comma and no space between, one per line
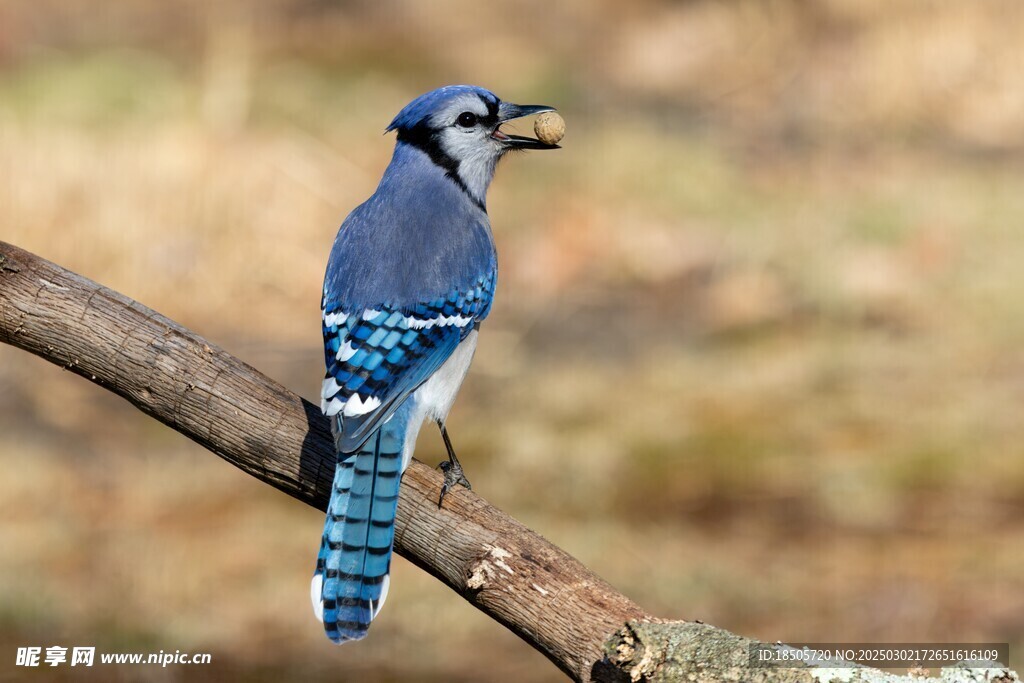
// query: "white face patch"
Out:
[471,146]
[446,117]
[477,157]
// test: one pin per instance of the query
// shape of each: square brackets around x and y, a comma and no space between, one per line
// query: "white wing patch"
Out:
[334,319]
[346,351]
[331,403]
[316,594]
[357,406]
[330,388]
[440,321]
[332,407]
[375,605]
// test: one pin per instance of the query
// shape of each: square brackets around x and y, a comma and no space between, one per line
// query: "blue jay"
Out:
[410,278]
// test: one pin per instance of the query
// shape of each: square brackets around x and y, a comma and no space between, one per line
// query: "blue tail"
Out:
[351,578]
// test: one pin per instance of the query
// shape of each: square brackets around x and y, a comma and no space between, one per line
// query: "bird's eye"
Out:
[467,119]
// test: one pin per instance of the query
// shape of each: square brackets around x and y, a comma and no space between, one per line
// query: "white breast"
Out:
[435,397]
[437,394]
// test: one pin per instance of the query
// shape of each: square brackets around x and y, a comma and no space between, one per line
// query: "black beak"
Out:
[507,112]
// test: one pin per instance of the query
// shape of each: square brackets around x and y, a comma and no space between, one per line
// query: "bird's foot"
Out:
[452,469]
[453,475]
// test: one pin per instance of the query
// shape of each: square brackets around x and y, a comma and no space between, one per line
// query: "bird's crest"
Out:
[421,108]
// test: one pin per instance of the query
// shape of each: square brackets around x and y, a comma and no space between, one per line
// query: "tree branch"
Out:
[533,588]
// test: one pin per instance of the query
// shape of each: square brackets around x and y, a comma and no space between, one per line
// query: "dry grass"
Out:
[756,356]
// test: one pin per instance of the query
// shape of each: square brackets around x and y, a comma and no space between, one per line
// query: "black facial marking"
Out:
[424,138]
[492,111]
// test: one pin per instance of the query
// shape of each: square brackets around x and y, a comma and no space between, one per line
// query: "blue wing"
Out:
[376,357]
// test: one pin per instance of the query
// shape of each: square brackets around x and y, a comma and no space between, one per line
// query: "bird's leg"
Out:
[452,469]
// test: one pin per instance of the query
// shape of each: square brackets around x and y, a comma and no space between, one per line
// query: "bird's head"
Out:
[459,126]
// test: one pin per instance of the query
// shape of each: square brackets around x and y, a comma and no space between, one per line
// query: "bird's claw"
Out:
[453,475]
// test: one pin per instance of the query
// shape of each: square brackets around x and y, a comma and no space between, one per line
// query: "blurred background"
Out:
[757,356]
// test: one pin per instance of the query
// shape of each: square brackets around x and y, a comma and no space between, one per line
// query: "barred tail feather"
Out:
[351,579]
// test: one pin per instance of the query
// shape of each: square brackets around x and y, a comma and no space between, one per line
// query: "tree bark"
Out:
[538,591]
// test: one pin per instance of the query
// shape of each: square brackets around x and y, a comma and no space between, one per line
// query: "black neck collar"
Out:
[426,140]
